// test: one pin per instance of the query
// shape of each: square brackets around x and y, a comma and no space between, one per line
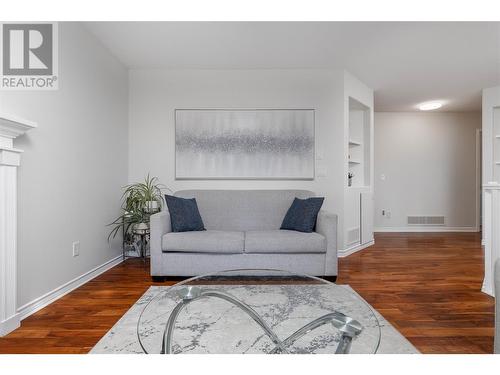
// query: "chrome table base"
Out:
[348,327]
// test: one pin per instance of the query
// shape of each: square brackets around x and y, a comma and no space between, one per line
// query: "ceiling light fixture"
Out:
[429,106]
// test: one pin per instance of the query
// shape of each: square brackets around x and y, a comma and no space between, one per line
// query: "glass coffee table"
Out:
[257,311]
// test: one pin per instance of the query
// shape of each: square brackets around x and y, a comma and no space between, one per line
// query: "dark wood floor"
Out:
[426,285]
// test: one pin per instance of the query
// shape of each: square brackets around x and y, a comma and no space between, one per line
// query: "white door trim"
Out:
[478,178]
[10,158]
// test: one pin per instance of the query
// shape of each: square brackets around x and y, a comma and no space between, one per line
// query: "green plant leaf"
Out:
[134,204]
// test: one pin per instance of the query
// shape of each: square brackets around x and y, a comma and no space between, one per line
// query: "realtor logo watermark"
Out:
[28,56]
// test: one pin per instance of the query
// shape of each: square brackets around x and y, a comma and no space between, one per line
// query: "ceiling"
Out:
[406,63]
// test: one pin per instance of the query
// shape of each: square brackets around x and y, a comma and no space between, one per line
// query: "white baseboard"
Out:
[353,249]
[40,302]
[8,325]
[488,291]
[424,229]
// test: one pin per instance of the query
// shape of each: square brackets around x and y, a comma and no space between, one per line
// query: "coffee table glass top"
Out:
[257,311]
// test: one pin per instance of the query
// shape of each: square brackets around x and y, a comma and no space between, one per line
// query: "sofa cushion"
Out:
[302,214]
[284,241]
[184,214]
[211,241]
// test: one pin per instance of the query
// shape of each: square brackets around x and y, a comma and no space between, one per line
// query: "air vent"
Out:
[426,220]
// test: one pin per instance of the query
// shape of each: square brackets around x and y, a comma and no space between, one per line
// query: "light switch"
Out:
[76,248]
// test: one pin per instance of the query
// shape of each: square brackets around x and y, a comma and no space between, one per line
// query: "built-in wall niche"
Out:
[359,143]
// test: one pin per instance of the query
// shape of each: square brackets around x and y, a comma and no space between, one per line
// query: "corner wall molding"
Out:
[52,296]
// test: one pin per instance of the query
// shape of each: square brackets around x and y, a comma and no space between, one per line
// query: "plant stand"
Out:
[138,248]
[143,249]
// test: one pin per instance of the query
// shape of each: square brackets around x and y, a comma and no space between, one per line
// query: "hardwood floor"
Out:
[426,285]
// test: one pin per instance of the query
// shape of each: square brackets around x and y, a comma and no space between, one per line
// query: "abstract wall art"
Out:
[244,143]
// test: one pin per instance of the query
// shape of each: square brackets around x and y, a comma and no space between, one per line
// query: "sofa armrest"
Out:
[159,226]
[326,225]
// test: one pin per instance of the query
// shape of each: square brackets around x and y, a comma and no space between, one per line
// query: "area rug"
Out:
[222,328]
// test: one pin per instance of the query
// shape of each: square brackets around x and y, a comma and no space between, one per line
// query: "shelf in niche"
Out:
[354,143]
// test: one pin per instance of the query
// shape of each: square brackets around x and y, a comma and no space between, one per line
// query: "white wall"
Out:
[73,166]
[155,94]
[429,163]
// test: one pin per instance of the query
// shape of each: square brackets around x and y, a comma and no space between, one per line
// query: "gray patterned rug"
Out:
[214,326]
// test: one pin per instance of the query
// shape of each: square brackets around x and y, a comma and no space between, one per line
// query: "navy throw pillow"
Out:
[302,214]
[184,214]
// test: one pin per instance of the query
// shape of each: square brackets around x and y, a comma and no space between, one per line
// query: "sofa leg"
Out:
[175,279]
[159,279]
[331,279]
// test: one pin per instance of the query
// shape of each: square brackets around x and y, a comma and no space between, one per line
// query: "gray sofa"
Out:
[243,232]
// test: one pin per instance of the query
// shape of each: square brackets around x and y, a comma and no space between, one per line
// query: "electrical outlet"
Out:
[383,212]
[388,214]
[76,248]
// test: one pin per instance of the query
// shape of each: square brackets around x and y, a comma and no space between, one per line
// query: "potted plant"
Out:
[140,201]
[149,193]
[350,175]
